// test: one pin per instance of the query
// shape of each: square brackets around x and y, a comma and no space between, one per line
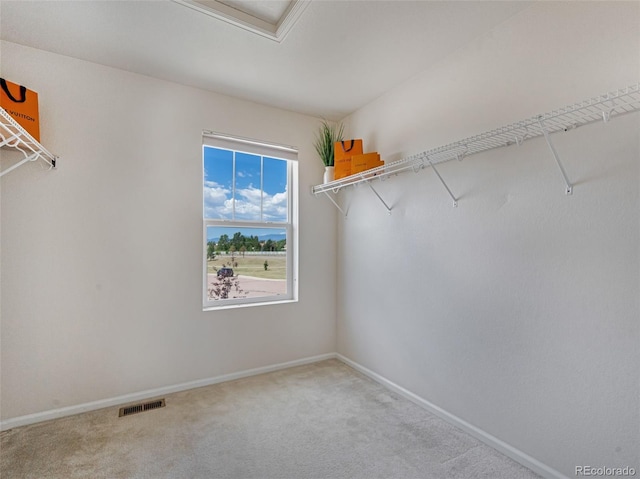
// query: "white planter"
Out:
[328,174]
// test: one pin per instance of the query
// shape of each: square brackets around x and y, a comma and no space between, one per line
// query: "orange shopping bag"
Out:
[22,104]
[343,151]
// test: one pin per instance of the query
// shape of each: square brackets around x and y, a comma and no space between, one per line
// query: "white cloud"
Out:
[275,207]
[219,204]
[248,203]
[250,193]
[217,200]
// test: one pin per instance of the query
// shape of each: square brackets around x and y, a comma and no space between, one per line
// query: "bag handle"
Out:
[23,92]
[347,149]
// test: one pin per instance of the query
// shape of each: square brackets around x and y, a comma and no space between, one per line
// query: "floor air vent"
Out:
[136,408]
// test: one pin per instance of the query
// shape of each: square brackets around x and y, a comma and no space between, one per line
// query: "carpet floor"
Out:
[318,421]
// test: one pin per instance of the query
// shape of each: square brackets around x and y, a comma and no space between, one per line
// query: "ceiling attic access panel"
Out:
[272,19]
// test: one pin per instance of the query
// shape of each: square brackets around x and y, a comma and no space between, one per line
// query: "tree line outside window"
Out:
[243,244]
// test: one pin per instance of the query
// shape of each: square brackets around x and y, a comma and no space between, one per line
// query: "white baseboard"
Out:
[151,393]
[501,446]
[479,434]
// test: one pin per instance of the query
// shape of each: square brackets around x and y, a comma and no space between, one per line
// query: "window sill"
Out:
[247,305]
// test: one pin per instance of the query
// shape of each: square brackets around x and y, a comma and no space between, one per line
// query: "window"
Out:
[249,221]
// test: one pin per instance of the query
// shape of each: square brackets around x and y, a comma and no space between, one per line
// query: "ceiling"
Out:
[335,57]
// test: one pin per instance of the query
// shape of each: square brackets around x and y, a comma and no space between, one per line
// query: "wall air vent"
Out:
[126,411]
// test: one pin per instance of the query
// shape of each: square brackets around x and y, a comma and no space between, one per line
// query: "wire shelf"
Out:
[14,136]
[603,108]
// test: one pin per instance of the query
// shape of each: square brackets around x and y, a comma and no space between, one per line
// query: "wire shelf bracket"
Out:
[13,135]
[380,198]
[433,167]
[335,203]
[569,189]
[603,108]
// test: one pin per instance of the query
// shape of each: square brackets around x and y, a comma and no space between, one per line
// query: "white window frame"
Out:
[261,148]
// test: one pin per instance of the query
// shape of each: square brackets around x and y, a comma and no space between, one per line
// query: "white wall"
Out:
[102,258]
[518,311]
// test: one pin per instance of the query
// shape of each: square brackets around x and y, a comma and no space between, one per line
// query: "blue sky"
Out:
[260,186]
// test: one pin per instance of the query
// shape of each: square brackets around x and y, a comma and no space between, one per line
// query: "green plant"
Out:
[326,139]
